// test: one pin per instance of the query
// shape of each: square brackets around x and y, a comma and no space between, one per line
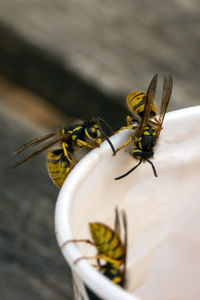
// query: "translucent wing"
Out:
[37,152]
[117,223]
[166,94]
[124,221]
[148,104]
[34,142]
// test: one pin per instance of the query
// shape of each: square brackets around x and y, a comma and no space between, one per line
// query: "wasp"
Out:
[87,133]
[110,248]
[148,126]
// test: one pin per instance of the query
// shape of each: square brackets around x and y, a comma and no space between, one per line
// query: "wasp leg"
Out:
[95,266]
[125,144]
[156,122]
[64,146]
[129,124]
[159,126]
[114,262]
[77,241]
[81,143]
[123,128]
[128,120]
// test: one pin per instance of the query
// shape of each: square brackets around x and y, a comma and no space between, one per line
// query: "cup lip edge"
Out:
[83,269]
[71,252]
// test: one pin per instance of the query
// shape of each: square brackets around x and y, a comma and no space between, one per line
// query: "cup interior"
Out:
[162,213]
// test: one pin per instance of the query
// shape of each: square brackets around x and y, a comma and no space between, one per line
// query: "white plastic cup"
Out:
[162,214]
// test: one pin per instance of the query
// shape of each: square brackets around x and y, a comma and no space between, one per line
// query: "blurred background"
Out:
[61,60]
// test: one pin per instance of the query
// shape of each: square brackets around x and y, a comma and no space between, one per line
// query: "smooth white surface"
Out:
[163,213]
[94,280]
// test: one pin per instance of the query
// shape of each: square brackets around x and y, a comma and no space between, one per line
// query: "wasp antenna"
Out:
[105,135]
[130,171]
[110,143]
[108,125]
[153,167]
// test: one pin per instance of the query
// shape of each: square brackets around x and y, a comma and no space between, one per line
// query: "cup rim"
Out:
[98,283]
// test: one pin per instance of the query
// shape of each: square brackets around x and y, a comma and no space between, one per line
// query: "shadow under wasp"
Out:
[110,248]
[144,120]
[60,161]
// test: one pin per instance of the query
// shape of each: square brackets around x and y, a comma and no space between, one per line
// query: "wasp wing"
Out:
[37,152]
[34,142]
[148,104]
[117,222]
[166,94]
[124,221]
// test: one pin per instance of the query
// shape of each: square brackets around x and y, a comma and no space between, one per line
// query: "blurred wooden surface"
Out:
[85,56]
[33,107]
[31,266]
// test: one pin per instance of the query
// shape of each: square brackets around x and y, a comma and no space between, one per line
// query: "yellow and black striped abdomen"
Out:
[107,242]
[136,103]
[58,166]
